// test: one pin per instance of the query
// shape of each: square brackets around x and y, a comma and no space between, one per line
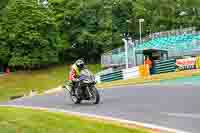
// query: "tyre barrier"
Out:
[116,75]
[164,66]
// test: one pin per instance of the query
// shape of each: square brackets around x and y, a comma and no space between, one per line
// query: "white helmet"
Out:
[80,63]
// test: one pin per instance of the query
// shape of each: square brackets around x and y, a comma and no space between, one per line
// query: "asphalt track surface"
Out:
[172,106]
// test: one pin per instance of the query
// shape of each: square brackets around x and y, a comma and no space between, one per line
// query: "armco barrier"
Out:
[103,72]
[164,66]
[120,75]
[117,75]
[98,79]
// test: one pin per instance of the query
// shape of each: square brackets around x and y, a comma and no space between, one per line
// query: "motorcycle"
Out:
[85,89]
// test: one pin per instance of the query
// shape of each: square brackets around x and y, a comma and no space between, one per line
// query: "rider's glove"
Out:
[76,80]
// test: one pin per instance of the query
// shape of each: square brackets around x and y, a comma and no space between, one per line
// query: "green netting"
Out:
[175,45]
[118,58]
[181,41]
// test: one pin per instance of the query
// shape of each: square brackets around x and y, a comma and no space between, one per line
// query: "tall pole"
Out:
[140,29]
[126,51]
[126,48]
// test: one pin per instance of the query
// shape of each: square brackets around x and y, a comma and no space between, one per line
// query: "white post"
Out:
[126,51]
[134,57]
[140,29]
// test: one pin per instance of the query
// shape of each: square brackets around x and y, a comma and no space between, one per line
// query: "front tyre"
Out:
[75,99]
[95,95]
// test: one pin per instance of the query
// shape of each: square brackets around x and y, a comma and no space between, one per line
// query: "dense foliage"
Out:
[28,35]
[33,35]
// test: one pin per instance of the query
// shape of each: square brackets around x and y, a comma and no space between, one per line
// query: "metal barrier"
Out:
[139,71]
[125,74]
[131,73]
[159,67]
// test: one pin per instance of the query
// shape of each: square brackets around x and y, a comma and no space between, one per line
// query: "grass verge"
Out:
[39,80]
[151,79]
[14,120]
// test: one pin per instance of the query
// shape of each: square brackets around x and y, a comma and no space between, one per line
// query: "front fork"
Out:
[90,94]
[66,87]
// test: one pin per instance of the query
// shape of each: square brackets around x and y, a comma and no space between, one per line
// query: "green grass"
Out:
[40,80]
[13,120]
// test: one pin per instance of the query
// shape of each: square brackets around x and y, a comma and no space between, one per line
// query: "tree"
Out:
[86,24]
[3,3]
[28,35]
[32,35]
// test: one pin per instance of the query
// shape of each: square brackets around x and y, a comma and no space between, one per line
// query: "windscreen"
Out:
[87,75]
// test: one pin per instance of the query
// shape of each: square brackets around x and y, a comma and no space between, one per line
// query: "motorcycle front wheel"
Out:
[75,99]
[95,95]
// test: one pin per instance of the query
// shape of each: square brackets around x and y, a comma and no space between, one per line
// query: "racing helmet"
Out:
[80,63]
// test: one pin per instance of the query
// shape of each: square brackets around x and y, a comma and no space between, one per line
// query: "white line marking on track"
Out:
[185,115]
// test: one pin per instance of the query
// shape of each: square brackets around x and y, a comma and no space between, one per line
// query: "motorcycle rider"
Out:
[74,75]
